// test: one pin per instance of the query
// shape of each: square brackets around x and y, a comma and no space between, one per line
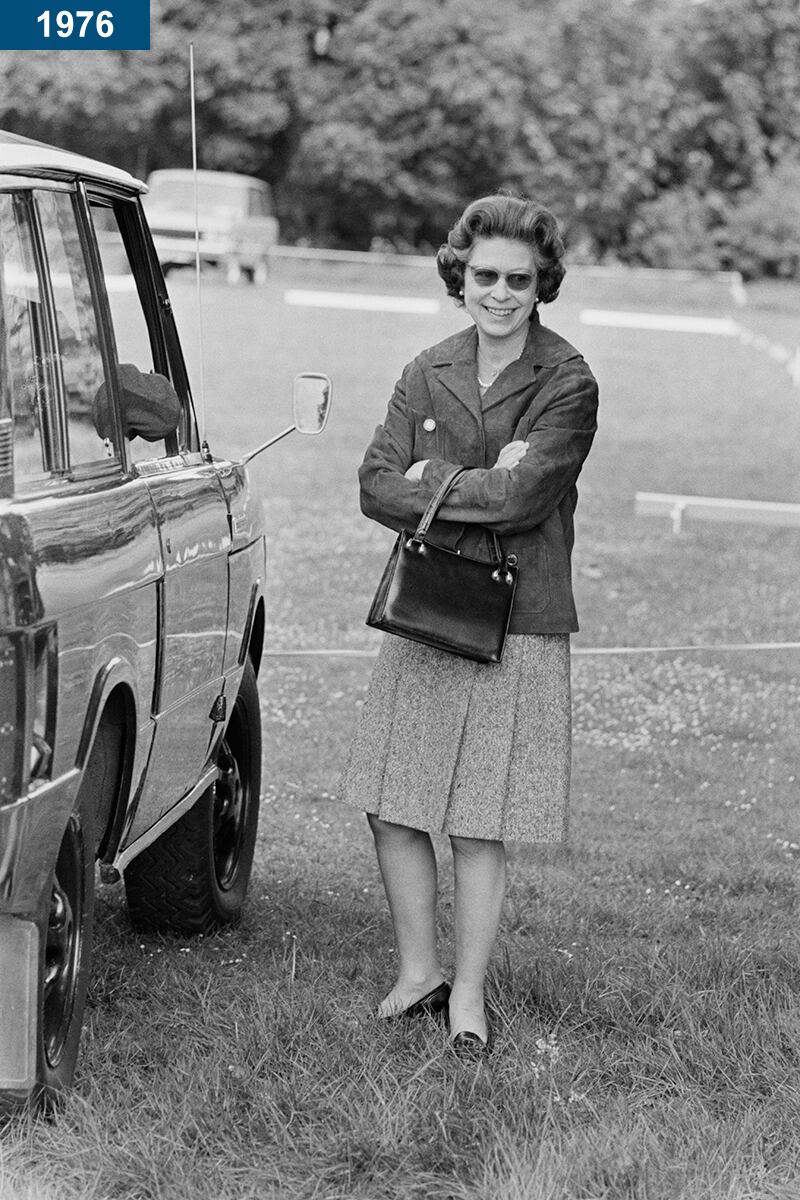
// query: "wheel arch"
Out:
[110,728]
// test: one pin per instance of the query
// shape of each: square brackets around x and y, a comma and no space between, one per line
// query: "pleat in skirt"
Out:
[447,745]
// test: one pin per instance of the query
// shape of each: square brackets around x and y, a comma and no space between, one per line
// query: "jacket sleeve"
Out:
[386,495]
[512,501]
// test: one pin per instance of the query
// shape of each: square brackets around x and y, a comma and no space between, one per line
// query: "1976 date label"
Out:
[37,25]
[69,24]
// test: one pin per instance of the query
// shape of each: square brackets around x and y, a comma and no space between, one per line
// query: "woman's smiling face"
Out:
[497,308]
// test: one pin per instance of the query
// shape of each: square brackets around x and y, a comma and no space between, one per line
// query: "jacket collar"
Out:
[454,362]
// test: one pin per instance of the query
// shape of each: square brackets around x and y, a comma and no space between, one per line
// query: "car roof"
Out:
[24,156]
[203,176]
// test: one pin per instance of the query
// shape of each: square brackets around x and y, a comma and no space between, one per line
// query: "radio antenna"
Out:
[204,442]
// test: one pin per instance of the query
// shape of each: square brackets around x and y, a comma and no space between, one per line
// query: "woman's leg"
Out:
[408,867]
[480,881]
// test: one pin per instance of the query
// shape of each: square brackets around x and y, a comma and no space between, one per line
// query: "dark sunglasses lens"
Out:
[518,281]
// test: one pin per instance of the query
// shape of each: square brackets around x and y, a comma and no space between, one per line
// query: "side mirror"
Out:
[311,402]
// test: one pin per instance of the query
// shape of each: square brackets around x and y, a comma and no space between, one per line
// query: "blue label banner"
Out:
[75,25]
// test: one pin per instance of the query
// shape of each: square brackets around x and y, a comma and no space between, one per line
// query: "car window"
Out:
[138,337]
[28,373]
[131,330]
[78,336]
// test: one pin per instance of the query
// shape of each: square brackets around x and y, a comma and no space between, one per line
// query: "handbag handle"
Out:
[436,503]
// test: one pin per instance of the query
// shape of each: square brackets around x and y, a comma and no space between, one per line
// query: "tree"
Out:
[647,125]
[417,110]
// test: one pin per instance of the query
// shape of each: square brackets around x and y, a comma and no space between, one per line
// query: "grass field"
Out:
[646,995]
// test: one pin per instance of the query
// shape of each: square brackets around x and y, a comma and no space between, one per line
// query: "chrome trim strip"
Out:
[163,824]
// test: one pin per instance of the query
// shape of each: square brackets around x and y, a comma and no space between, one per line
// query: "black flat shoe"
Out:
[467,1044]
[432,1004]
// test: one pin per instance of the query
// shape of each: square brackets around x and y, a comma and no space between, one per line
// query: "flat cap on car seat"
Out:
[149,403]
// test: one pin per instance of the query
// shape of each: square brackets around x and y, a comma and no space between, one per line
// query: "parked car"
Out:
[235,217]
[132,566]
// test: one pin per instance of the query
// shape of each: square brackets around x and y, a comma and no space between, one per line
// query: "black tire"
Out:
[66,924]
[194,878]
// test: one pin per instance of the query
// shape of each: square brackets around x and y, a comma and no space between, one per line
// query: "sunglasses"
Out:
[517,281]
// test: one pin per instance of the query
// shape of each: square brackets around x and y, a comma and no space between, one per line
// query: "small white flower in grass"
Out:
[548,1048]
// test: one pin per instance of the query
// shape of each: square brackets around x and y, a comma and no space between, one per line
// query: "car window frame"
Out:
[51,431]
[59,472]
[156,307]
[104,469]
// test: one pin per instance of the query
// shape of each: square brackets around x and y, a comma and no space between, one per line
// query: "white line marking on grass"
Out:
[720,326]
[662,322]
[363,301]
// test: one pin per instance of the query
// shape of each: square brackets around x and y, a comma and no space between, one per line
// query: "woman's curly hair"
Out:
[506,217]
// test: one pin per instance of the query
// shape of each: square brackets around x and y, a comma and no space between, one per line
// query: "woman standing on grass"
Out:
[444,744]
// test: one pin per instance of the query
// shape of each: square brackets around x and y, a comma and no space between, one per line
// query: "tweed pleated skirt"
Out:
[447,745]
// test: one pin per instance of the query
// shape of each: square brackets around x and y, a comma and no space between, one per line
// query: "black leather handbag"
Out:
[443,598]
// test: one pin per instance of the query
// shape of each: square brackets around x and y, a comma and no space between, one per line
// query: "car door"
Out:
[191,514]
[89,529]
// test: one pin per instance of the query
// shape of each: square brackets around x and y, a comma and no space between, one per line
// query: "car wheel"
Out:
[233,271]
[65,923]
[194,877]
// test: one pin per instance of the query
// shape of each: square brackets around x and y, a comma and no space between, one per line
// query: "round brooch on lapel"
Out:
[429,424]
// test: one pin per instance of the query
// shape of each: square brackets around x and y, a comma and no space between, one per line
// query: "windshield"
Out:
[215,198]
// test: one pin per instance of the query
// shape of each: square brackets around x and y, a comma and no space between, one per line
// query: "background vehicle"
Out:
[132,568]
[237,224]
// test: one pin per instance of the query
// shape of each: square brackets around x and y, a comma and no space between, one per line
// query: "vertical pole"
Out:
[203,444]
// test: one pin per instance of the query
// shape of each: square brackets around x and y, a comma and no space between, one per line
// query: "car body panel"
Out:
[103,544]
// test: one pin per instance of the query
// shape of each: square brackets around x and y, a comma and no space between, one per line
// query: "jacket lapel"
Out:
[458,373]
[518,375]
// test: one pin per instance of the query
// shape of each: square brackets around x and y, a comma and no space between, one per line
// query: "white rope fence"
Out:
[583,651]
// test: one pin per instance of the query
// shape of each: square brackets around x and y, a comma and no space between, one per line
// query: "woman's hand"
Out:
[416,469]
[511,455]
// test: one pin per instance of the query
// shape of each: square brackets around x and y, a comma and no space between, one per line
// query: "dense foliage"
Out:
[661,131]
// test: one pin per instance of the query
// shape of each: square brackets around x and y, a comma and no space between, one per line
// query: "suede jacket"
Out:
[548,397]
